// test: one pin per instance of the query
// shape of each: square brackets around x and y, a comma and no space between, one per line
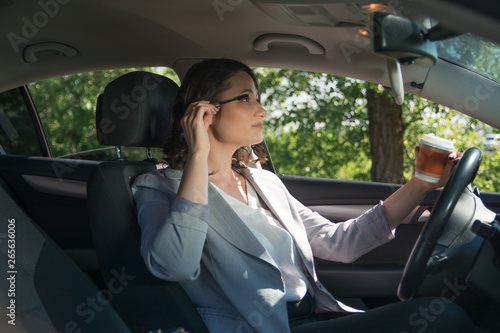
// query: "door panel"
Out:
[377,273]
[53,192]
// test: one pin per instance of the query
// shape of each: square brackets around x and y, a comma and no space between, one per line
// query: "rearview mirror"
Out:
[402,39]
[403,42]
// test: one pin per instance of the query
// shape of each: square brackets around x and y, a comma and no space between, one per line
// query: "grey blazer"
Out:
[225,271]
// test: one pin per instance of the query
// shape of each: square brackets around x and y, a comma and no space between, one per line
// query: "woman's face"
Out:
[239,123]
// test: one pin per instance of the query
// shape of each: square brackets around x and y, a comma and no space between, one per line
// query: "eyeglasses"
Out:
[239,98]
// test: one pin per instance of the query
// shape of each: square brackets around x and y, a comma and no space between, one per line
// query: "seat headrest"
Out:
[136,110]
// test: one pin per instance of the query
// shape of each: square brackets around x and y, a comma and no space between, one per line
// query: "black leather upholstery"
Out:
[146,302]
[134,110]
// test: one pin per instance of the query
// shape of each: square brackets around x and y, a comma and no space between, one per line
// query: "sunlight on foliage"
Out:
[329,137]
[317,124]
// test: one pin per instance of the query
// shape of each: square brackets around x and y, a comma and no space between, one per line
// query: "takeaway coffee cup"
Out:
[434,152]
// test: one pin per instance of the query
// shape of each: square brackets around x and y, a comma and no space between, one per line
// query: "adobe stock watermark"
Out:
[359,42]
[221,7]
[91,306]
[356,47]
[471,103]
[127,101]
[421,318]
[255,318]
[68,166]
[30,26]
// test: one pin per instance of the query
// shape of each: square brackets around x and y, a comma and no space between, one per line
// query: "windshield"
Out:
[473,52]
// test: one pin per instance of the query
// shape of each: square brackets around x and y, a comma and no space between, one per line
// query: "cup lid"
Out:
[437,142]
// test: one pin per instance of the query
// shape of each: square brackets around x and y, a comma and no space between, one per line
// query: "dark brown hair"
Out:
[207,81]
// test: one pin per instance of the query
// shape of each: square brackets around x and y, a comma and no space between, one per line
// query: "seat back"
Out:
[143,119]
[42,289]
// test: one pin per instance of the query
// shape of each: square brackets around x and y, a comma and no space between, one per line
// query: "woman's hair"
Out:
[207,81]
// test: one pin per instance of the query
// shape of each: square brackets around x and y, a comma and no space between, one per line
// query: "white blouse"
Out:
[275,239]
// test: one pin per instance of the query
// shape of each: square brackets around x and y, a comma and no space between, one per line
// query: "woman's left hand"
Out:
[453,158]
[403,201]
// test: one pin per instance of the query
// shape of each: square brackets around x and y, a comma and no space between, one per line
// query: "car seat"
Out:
[42,289]
[134,110]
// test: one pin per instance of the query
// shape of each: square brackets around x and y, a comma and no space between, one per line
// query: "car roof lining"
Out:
[166,39]
[120,45]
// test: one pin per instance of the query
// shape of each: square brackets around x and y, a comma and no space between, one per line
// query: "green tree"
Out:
[386,131]
[318,125]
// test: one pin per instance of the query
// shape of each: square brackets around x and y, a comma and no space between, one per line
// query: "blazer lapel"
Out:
[277,201]
[224,220]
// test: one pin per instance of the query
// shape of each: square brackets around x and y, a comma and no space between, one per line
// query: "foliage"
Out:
[472,51]
[464,131]
[317,124]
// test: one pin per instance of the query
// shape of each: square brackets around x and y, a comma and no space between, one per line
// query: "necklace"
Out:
[242,187]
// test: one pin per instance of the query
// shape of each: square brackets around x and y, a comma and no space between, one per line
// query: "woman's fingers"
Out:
[195,123]
[453,159]
[199,111]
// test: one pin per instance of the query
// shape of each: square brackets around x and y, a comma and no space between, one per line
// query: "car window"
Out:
[321,125]
[18,127]
[66,106]
[473,52]
[318,125]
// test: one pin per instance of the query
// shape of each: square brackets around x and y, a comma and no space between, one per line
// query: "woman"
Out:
[240,245]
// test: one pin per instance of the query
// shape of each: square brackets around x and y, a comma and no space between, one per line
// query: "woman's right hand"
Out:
[195,123]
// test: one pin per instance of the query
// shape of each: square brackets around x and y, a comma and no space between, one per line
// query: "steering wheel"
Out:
[416,266]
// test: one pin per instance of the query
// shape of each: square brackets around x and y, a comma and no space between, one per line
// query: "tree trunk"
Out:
[386,129]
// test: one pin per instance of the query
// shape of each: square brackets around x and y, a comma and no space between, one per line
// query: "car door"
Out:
[375,276]
[51,190]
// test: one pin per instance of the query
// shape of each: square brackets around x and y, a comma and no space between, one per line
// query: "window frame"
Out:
[37,123]
[39,132]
